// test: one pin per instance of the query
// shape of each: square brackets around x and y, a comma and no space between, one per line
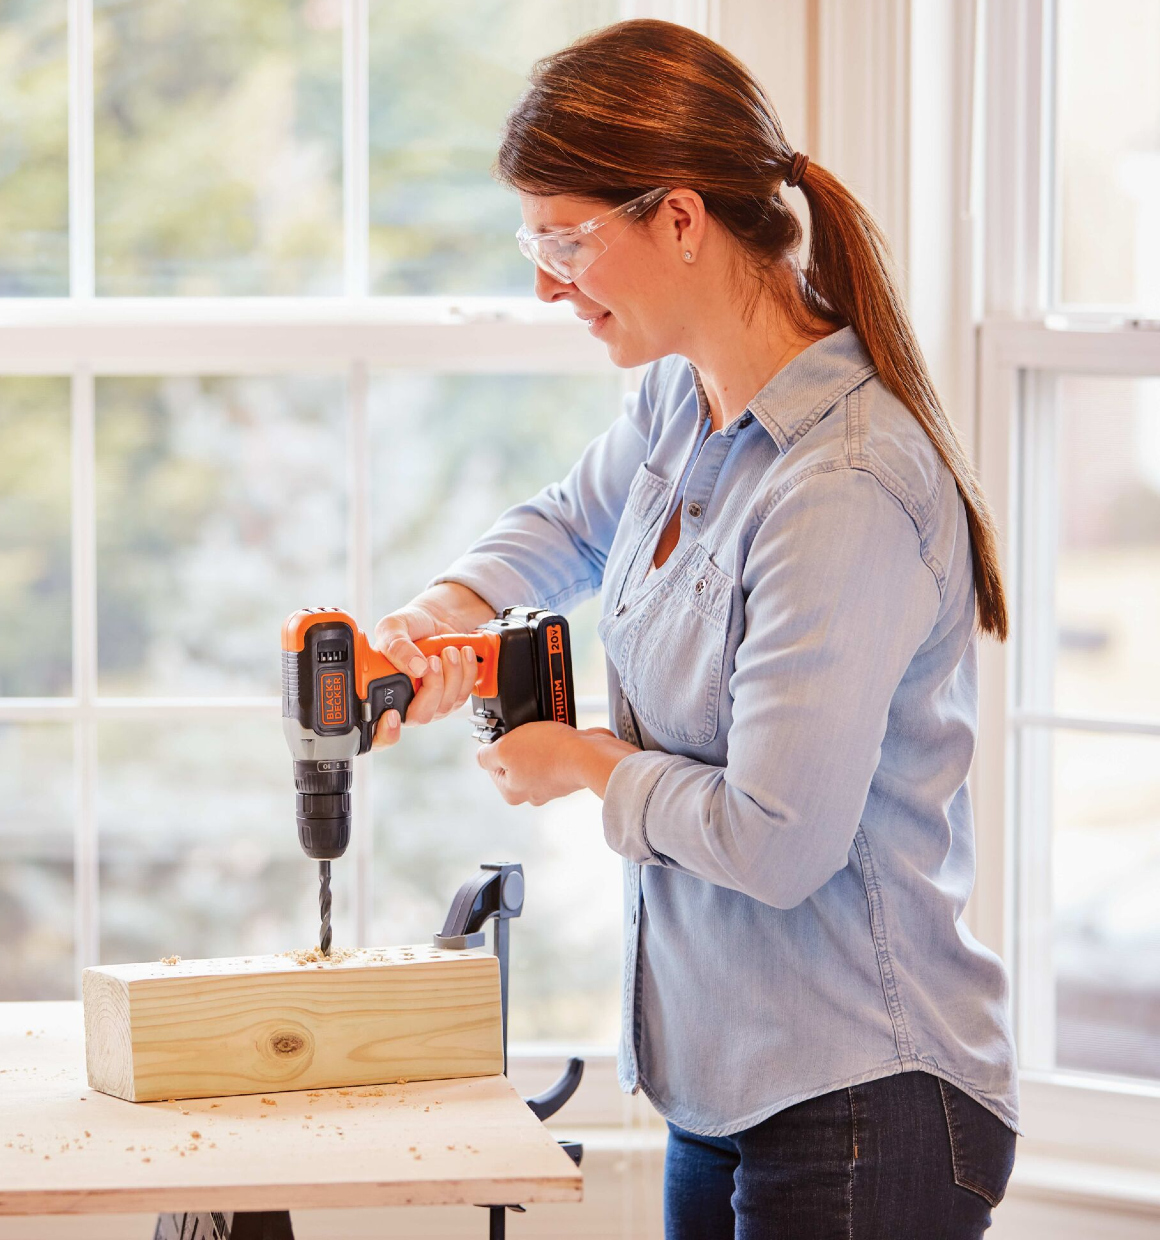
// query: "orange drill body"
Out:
[336,687]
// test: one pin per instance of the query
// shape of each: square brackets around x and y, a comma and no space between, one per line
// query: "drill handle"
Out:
[486,647]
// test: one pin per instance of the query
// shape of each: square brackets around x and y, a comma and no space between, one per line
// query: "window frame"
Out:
[1022,342]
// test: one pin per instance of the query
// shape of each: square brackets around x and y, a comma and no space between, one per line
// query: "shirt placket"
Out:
[697,493]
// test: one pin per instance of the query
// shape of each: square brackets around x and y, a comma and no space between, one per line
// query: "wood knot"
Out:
[286,1043]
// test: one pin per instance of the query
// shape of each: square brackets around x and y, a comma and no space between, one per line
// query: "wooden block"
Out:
[259,1024]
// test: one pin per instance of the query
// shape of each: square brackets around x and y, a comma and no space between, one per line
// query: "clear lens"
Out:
[568,254]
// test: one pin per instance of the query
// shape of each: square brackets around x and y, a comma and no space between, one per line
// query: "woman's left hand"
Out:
[538,762]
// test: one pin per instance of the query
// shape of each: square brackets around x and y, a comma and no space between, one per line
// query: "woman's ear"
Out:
[685,221]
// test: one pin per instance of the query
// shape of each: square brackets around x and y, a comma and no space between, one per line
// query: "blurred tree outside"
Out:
[34,260]
[218,146]
[442,80]
[35,538]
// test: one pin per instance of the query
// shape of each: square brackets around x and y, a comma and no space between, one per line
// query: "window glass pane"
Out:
[475,444]
[1107,572]
[33,148]
[220,510]
[218,157]
[442,79]
[1106,873]
[199,852]
[1108,152]
[35,568]
[36,861]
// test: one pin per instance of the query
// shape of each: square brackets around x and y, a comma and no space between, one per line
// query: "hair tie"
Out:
[797,169]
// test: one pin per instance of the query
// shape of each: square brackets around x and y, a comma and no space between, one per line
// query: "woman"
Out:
[794,557]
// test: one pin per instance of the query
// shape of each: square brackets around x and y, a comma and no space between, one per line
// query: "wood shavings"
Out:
[313,955]
[87,1133]
[146,1159]
[170,960]
[270,1102]
[195,1135]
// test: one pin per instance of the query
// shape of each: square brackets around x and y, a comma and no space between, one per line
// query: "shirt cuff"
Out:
[496,582]
[630,788]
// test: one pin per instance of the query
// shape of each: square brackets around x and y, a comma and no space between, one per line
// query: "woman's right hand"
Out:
[446,680]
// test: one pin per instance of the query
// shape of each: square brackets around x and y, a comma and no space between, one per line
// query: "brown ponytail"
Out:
[645,103]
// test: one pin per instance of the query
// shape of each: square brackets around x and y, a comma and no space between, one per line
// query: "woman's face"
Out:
[633,294]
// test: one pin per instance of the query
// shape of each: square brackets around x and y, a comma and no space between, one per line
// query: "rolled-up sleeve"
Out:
[550,551]
[838,599]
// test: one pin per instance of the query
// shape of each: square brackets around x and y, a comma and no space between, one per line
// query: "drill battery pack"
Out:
[533,673]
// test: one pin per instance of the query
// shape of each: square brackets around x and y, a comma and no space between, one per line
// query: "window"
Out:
[1067,791]
[196,438]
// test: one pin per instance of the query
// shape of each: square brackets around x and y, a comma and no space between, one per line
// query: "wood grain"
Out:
[66,1149]
[245,1025]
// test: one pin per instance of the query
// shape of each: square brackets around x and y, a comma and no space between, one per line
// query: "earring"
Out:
[688,256]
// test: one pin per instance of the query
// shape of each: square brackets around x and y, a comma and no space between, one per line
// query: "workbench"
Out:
[67,1149]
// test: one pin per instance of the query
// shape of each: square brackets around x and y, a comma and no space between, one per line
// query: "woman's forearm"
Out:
[457,605]
[597,756]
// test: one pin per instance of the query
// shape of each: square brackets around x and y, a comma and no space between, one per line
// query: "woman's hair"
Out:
[646,103]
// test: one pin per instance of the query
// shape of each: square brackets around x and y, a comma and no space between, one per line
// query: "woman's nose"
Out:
[548,288]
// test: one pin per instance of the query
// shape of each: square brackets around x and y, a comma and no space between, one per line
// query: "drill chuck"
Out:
[323,807]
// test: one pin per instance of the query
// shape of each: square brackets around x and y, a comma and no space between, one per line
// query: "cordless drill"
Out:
[336,686]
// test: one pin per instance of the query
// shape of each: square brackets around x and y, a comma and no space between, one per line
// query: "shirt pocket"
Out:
[642,506]
[669,650]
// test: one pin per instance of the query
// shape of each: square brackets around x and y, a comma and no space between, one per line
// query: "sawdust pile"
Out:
[313,955]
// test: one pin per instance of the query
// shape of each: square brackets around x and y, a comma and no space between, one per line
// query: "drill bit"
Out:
[324,906]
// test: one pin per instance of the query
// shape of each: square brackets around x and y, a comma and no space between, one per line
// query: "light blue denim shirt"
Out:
[800,675]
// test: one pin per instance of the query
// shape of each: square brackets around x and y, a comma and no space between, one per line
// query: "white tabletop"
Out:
[67,1149]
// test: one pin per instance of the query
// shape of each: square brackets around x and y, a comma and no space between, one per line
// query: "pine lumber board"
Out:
[68,1149]
[238,1025]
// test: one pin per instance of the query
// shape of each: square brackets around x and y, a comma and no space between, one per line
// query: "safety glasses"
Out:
[565,253]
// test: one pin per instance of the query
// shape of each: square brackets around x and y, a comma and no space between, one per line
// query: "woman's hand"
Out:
[447,678]
[538,762]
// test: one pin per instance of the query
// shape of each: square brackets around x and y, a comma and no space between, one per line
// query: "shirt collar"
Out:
[806,386]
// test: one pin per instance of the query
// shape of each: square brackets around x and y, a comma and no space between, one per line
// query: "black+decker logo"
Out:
[332,697]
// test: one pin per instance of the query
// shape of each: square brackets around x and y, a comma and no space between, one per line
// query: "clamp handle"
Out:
[496,891]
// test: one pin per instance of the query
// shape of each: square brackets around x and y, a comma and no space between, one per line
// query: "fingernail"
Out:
[418,666]
[469,653]
[453,656]
[436,663]
[392,719]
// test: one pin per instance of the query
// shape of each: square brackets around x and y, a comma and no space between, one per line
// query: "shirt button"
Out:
[694,509]
[620,610]
[699,588]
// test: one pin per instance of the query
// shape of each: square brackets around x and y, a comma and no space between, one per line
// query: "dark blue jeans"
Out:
[907,1156]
